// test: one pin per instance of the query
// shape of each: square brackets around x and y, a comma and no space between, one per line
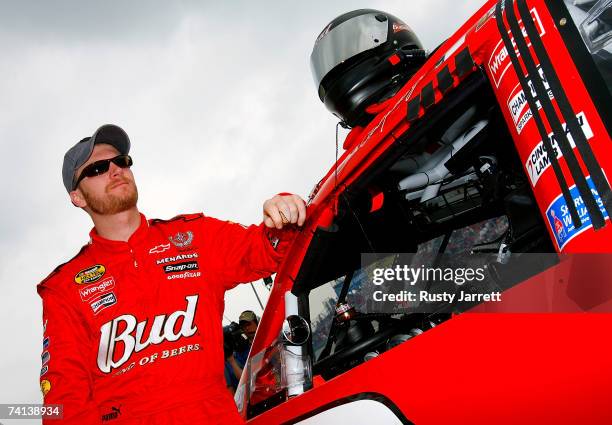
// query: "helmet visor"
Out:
[348,39]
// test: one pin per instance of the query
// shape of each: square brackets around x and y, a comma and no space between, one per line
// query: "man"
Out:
[235,362]
[132,324]
[248,323]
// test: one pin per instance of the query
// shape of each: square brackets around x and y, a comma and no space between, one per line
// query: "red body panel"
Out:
[475,368]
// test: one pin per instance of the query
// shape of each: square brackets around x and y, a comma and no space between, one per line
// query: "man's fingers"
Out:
[301,207]
[268,221]
[271,212]
[282,210]
[294,211]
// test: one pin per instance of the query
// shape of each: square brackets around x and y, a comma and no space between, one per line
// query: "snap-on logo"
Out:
[90,291]
[181,267]
[90,275]
[499,62]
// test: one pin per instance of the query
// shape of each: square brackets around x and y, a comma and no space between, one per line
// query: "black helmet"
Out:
[361,58]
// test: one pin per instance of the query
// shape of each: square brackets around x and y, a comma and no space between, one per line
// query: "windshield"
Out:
[594,21]
[324,298]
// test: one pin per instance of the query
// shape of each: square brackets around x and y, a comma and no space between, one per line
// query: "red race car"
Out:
[497,146]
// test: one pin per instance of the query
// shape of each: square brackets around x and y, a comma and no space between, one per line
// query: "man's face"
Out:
[109,193]
[249,329]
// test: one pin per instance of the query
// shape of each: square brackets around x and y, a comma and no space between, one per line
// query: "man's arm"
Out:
[245,254]
[65,378]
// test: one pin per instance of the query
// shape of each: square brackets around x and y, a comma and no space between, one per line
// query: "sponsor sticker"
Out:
[90,291]
[159,248]
[103,302]
[184,275]
[517,102]
[560,220]
[44,370]
[538,161]
[181,267]
[400,27]
[182,239]
[90,274]
[177,258]
[45,387]
[45,343]
[499,62]
[45,357]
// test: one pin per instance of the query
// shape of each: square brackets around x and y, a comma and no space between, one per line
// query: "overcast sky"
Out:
[217,98]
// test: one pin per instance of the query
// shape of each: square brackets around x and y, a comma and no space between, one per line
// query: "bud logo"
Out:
[538,161]
[499,62]
[103,302]
[130,339]
[90,291]
[180,267]
[90,275]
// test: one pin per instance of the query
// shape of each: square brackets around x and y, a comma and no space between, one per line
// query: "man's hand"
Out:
[284,209]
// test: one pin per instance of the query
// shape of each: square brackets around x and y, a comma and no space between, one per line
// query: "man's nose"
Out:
[114,170]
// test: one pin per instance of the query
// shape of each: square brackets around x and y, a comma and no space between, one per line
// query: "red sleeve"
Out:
[244,254]
[65,378]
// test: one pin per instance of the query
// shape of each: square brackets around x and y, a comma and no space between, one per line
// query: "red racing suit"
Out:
[132,330]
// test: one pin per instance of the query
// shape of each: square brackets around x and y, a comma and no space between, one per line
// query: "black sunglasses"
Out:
[100,167]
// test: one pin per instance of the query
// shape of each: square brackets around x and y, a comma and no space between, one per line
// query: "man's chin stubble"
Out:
[112,204]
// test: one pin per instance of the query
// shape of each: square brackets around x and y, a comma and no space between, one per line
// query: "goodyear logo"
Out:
[90,275]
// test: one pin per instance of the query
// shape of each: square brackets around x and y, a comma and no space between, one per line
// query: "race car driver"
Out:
[132,324]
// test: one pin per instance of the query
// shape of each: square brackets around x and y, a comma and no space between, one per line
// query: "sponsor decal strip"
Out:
[560,222]
[553,120]
[90,291]
[593,167]
[499,63]
[90,274]
[181,267]
[538,161]
[536,116]
[159,248]
[103,302]
[177,258]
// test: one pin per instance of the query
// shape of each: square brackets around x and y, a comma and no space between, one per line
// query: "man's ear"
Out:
[77,198]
